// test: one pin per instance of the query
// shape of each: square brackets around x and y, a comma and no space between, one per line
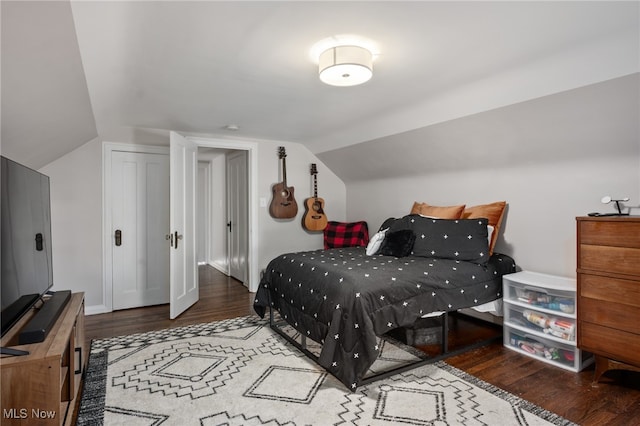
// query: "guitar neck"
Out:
[315,187]
[284,171]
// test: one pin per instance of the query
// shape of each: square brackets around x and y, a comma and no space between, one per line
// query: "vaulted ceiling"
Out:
[73,71]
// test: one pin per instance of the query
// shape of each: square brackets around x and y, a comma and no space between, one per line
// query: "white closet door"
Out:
[140,218]
[238,212]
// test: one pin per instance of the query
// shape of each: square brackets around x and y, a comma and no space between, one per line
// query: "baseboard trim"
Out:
[219,268]
[96,309]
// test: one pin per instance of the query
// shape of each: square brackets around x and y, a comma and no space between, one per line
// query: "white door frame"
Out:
[107,259]
[253,280]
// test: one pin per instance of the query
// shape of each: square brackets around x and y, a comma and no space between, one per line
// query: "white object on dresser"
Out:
[540,319]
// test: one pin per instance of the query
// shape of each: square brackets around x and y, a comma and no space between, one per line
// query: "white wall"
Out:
[76,203]
[202,211]
[551,159]
[279,235]
[543,200]
[212,234]
[76,221]
[218,242]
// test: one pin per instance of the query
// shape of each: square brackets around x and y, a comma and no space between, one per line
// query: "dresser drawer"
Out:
[615,260]
[613,233]
[615,344]
[609,314]
[618,291]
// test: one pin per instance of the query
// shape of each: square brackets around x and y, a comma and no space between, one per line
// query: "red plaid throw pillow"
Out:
[345,234]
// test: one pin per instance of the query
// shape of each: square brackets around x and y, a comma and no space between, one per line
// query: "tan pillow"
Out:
[492,211]
[449,212]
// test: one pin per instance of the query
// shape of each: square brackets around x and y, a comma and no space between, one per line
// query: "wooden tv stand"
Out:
[42,388]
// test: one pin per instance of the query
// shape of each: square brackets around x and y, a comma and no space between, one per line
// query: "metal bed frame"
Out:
[444,347]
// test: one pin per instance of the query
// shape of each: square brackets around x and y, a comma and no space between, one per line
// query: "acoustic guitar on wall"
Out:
[314,218]
[283,204]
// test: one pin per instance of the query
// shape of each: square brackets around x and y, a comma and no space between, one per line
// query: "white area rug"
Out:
[240,372]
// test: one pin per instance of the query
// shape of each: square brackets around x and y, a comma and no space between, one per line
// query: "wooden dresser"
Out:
[609,291]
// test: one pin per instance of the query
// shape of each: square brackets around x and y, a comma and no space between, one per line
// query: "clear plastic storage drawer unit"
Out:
[540,319]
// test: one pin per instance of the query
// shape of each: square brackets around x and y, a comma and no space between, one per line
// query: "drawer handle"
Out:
[79,352]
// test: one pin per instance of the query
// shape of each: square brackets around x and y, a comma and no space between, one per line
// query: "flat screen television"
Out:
[27,271]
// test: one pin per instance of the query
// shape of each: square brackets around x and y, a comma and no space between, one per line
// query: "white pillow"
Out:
[490,229]
[376,242]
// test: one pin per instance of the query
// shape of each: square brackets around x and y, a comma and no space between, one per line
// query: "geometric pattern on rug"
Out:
[240,372]
[427,405]
[183,368]
[305,383]
[121,416]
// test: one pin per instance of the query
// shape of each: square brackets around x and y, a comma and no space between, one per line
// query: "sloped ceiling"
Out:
[554,128]
[46,111]
[199,66]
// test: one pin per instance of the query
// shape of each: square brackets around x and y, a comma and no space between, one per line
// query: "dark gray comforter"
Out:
[344,299]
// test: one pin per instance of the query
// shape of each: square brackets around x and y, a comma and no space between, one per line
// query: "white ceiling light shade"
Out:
[345,65]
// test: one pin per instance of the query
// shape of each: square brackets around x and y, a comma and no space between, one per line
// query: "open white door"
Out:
[182,194]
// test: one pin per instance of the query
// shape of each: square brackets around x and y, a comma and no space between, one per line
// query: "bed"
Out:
[344,298]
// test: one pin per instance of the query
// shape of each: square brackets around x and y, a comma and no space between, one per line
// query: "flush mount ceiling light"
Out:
[345,65]
[344,60]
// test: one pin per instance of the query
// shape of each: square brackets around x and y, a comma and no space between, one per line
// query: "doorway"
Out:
[250,148]
[222,215]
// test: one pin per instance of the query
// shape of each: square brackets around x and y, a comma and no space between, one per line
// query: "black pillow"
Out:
[458,239]
[387,224]
[398,243]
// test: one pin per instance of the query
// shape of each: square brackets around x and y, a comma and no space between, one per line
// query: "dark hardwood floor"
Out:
[613,401]
[221,297]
